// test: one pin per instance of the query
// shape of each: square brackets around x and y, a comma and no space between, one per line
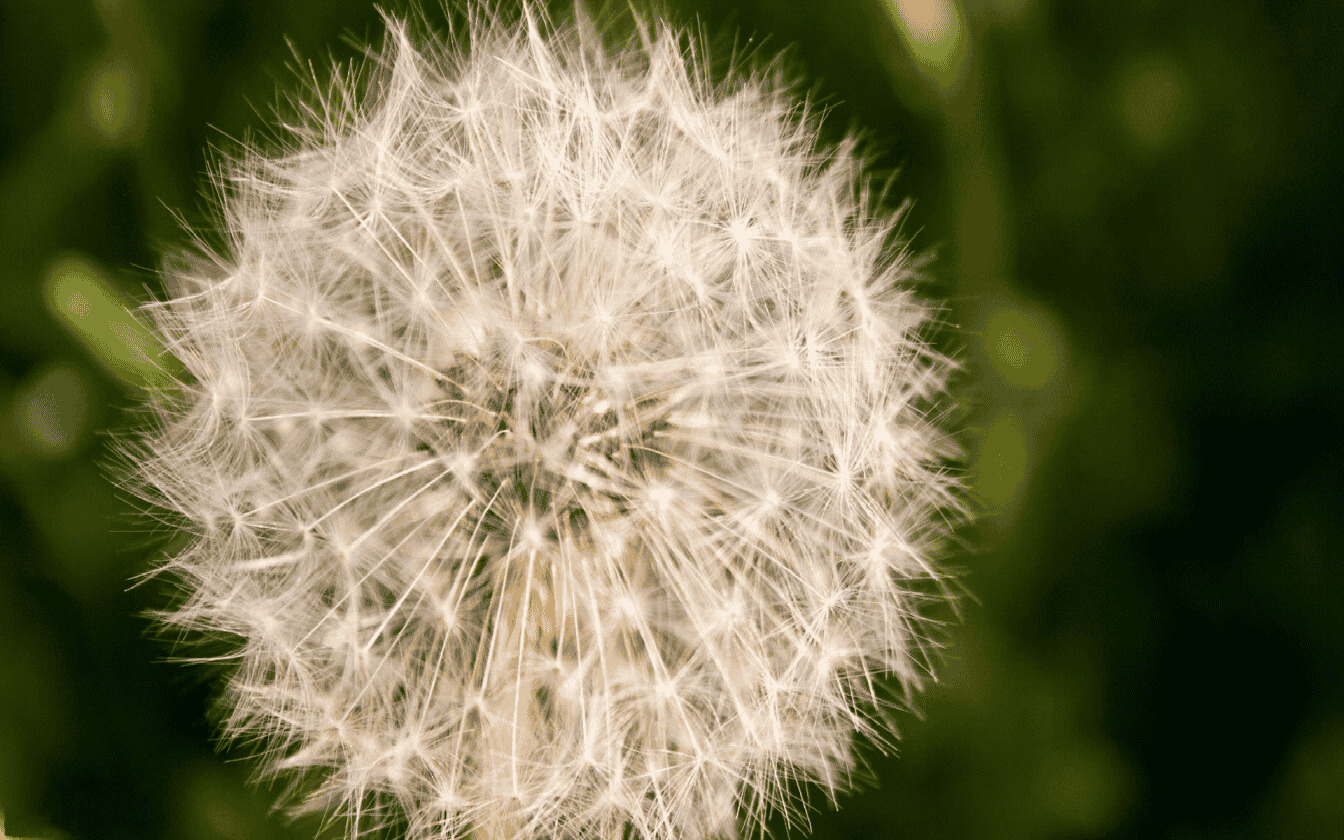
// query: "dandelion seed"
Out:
[556,449]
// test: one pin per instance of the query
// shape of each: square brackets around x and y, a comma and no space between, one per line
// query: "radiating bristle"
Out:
[556,447]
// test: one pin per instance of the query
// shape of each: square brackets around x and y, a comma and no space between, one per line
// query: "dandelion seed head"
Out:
[557,451]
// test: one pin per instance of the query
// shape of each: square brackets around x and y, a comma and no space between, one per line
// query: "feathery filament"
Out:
[557,447]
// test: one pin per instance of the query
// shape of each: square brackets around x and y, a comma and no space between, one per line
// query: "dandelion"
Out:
[556,450]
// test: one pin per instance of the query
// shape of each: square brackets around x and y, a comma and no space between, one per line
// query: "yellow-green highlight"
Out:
[934,32]
[1022,347]
[82,299]
[112,103]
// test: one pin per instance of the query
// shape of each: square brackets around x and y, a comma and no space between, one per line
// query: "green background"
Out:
[1136,216]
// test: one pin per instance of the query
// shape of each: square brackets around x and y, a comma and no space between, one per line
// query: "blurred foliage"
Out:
[1136,214]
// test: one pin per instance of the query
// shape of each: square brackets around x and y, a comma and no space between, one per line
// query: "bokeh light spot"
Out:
[81,298]
[934,31]
[1023,346]
[1154,102]
[112,105]
[51,412]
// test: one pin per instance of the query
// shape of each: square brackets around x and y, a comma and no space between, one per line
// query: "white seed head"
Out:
[556,448]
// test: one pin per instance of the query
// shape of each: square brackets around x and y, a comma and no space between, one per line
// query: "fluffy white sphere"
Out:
[556,450]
